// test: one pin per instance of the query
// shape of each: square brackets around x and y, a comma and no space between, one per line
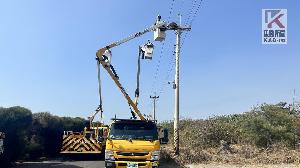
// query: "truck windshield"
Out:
[132,130]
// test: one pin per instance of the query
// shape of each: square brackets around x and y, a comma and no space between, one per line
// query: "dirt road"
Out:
[72,164]
[100,164]
[62,164]
[243,166]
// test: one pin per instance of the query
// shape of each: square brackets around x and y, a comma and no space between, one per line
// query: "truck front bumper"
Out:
[123,164]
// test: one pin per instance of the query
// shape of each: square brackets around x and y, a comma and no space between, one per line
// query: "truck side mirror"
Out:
[165,136]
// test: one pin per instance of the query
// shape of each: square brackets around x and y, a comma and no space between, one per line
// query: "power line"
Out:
[196,12]
[192,15]
[154,83]
[170,69]
[172,58]
[189,23]
[181,6]
[171,10]
[191,11]
[157,68]
[190,19]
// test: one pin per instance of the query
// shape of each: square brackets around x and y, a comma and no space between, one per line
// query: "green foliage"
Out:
[15,123]
[47,131]
[272,124]
[30,136]
[264,126]
[74,124]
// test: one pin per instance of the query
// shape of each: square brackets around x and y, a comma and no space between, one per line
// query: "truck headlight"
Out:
[155,155]
[109,155]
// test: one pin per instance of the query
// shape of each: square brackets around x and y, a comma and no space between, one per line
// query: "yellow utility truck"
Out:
[133,143]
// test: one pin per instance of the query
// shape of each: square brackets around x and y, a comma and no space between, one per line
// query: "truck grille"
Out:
[132,153]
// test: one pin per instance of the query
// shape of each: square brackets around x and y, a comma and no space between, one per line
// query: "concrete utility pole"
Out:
[176,112]
[294,98]
[154,105]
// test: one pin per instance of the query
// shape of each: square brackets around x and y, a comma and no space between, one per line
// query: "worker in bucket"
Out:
[107,59]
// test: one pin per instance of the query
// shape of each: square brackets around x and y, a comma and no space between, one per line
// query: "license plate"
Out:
[132,165]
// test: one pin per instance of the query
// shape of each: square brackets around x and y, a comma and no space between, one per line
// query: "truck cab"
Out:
[132,144]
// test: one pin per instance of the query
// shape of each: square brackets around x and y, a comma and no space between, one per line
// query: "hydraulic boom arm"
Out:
[101,51]
[128,98]
[162,26]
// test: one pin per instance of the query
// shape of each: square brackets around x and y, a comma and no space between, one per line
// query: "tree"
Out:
[15,123]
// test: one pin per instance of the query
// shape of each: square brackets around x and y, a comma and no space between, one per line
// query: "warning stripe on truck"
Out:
[80,144]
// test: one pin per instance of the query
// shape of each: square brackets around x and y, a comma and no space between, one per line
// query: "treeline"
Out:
[267,134]
[264,126]
[32,135]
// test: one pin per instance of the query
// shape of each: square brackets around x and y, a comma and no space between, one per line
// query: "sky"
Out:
[47,56]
